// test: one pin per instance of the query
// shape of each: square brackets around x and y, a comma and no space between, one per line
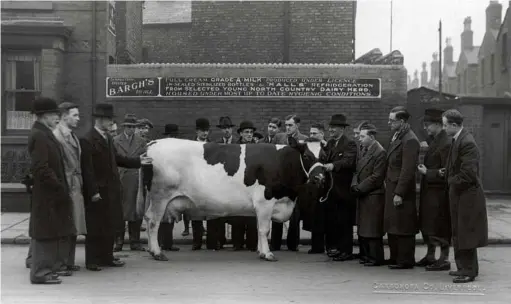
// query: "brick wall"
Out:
[184,111]
[128,27]
[167,42]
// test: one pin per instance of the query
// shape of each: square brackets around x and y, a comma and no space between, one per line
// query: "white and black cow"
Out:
[212,180]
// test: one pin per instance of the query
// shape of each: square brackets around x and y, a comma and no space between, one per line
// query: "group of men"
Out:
[88,186]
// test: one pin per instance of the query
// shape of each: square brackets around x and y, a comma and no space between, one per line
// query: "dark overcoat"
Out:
[101,175]
[369,179]
[469,219]
[402,159]
[434,215]
[51,207]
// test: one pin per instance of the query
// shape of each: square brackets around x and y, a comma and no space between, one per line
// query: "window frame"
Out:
[5,92]
[111,17]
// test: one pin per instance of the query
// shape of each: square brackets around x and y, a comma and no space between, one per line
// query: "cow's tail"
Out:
[145,179]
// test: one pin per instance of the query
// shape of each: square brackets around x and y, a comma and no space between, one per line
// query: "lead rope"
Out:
[323,199]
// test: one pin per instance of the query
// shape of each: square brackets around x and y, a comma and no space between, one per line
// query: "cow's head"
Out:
[314,171]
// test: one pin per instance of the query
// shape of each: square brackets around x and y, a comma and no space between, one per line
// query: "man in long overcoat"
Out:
[340,153]
[51,216]
[102,194]
[245,225]
[368,186]
[466,198]
[72,152]
[434,216]
[292,124]
[130,144]
[401,222]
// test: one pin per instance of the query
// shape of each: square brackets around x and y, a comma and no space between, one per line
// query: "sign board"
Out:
[132,87]
[270,87]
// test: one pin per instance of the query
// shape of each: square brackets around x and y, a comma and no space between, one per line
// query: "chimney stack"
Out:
[467,37]
[448,52]
[424,75]
[493,15]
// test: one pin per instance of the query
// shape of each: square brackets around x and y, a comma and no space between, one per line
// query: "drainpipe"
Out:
[93,57]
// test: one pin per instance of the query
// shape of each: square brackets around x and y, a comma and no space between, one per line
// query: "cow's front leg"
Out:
[263,227]
[153,218]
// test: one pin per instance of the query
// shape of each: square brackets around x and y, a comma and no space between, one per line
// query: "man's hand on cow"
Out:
[329,167]
[96,197]
[146,160]
[398,201]
[422,169]
[441,172]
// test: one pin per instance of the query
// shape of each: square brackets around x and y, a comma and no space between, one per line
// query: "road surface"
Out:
[240,277]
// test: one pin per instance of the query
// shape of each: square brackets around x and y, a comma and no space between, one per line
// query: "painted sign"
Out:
[132,87]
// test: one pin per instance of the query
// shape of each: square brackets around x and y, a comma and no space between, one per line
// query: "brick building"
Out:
[467,72]
[60,50]
[250,31]
[502,85]
[449,79]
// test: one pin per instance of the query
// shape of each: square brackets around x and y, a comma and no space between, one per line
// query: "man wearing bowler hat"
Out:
[242,225]
[202,127]
[51,216]
[226,125]
[339,158]
[434,219]
[166,230]
[102,189]
[130,144]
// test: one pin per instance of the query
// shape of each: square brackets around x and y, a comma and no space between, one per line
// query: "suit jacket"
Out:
[72,154]
[281,138]
[434,199]
[343,156]
[222,140]
[466,196]
[402,159]
[99,164]
[130,147]
[51,207]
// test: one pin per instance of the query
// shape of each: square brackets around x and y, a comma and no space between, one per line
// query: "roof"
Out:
[504,22]
[167,12]
[431,91]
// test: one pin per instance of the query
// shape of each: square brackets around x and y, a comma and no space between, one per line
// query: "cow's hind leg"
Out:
[264,211]
[153,218]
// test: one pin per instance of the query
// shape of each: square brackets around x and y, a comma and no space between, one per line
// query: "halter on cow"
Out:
[211,180]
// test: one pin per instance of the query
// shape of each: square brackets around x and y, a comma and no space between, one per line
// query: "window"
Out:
[504,59]
[492,69]
[22,84]
[111,16]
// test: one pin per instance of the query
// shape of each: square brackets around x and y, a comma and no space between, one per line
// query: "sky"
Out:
[415,27]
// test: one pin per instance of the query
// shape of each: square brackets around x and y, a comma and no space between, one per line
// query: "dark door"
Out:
[497,152]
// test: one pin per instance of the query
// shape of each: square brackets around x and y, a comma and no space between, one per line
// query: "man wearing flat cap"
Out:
[401,221]
[339,158]
[245,226]
[130,144]
[51,215]
[144,125]
[434,217]
[102,189]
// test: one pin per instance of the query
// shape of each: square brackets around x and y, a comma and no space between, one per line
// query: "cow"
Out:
[213,180]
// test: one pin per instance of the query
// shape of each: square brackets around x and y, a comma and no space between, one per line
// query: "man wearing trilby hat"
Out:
[434,217]
[130,144]
[51,216]
[104,215]
[340,159]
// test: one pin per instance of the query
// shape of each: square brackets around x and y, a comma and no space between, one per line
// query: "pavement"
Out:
[206,276]
[15,227]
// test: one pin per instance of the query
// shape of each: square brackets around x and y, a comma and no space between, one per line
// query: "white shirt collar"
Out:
[101,132]
[457,134]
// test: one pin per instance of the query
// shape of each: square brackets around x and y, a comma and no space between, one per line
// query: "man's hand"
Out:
[355,189]
[323,142]
[145,160]
[329,167]
[422,169]
[96,197]
[398,201]
[441,172]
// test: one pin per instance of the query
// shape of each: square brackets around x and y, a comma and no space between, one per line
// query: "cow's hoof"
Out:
[160,257]
[269,257]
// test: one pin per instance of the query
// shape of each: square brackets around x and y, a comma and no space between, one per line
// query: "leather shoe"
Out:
[372,264]
[333,252]
[114,263]
[48,280]
[425,262]
[463,279]
[439,266]
[400,266]
[455,273]
[343,257]
[315,251]
[93,267]
[137,247]
[64,273]
[73,268]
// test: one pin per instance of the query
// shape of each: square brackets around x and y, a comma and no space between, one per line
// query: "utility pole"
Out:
[390,26]
[440,60]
